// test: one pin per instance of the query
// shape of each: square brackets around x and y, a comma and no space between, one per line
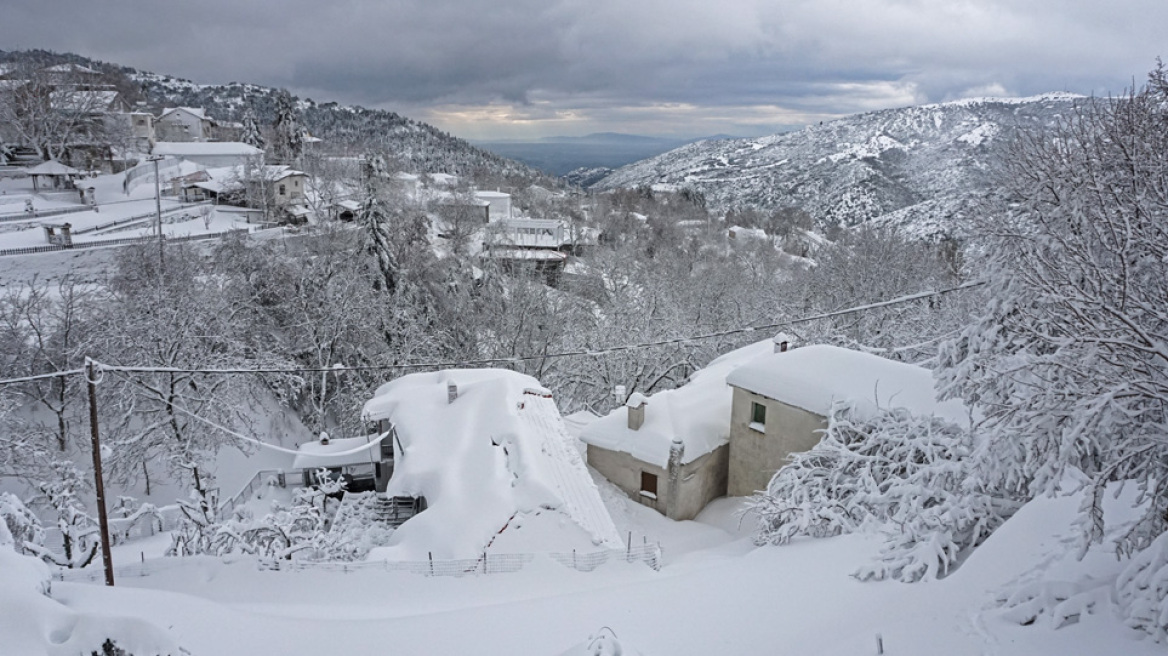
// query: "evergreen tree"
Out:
[375,217]
[288,131]
[251,130]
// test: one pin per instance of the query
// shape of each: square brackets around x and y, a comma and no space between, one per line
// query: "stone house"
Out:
[184,124]
[670,451]
[781,403]
[734,423]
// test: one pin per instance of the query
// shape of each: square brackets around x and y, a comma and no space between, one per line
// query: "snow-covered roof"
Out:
[814,377]
[516,253]
[445,179]
[198,112]
[204,148]
[697,414]
[313,455]
[350,205]
[491,194]
[497,462]
[53,167]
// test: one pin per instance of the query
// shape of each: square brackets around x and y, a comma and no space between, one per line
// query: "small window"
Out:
[757,414]
[649,484]
[283,190]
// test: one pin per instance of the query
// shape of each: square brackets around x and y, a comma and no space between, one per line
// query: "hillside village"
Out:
[283,389]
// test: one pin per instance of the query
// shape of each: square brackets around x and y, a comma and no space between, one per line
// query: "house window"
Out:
[758,416]
[283,191]
[648,485]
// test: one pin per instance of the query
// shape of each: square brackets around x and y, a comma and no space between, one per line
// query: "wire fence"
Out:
[49,248]
[41,214]
[648,553]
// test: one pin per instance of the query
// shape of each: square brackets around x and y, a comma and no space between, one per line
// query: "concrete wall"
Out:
[699,481]
[702,481]
[755,455]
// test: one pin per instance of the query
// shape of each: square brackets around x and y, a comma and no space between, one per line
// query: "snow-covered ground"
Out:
[113,206]
[717,594]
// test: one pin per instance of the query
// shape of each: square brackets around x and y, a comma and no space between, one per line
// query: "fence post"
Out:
[484,562]
[629,549]
[431,555]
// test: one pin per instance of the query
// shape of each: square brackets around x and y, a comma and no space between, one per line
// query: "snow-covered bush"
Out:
[300,527]
[1142,590]
[78,528]
[909,475]
[23,526]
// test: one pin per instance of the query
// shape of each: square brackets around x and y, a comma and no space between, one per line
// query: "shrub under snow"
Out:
[909,474]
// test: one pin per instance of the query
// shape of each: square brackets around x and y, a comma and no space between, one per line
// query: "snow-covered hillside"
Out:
[913,166]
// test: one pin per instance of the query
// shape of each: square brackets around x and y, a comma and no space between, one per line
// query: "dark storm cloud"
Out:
[574,65]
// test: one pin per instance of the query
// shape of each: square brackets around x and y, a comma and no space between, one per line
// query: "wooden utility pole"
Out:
[99,484]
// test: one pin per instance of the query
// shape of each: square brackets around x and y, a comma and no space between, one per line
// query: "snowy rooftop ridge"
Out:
[697,414]
[495,464]
[814,377]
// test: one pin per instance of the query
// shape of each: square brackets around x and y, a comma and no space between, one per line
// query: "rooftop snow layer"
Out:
[196,148]
[814,377]
[338,452]
[697,414]
[496,458]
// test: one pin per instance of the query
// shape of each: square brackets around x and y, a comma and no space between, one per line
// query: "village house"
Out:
[364,463]
[184,124]
[670,451]
[782,401]
[288,185]
[488,452]
[215,154]
[735,422]
[498,204]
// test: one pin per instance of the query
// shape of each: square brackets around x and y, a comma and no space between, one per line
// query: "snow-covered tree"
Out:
[251,130]
[911,476]
[78,528]
[1068,363]
[287,130]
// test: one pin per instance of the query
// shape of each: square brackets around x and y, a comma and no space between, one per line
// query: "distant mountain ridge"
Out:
[913,166]
[562,155]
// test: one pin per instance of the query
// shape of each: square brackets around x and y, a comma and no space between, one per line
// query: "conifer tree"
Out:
[288,130]
[251,130]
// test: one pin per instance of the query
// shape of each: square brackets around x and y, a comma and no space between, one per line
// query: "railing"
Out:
[281,478]
[28,250]
[487,563]
[41,214]
[138,217]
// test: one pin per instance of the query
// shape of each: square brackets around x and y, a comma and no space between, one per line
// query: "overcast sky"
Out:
[529,68]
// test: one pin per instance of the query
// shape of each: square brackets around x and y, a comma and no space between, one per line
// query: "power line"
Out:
[522,358]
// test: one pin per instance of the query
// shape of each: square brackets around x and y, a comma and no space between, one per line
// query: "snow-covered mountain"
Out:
[913,166]
[417,146]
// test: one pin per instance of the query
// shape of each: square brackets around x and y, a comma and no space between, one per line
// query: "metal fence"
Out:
[41,214]
[487,563]
[49,248]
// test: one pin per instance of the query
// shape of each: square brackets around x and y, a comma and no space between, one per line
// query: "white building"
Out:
[210,154]
[499,204]
[184,124]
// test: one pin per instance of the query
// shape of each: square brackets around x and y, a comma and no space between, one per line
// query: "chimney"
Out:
[324,438]
[783,342]
[636,408]
[451,392]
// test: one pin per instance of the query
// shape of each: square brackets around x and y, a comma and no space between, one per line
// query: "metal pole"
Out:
[99,485]
[158,208]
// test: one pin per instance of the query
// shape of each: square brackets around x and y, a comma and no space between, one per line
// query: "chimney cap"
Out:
[636,400]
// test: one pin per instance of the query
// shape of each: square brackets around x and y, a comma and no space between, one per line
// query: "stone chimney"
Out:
[783,342]
[324,438]
[451,392]
[636,408]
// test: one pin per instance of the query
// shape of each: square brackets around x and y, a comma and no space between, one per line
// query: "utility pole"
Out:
[98,480]
[157,206]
